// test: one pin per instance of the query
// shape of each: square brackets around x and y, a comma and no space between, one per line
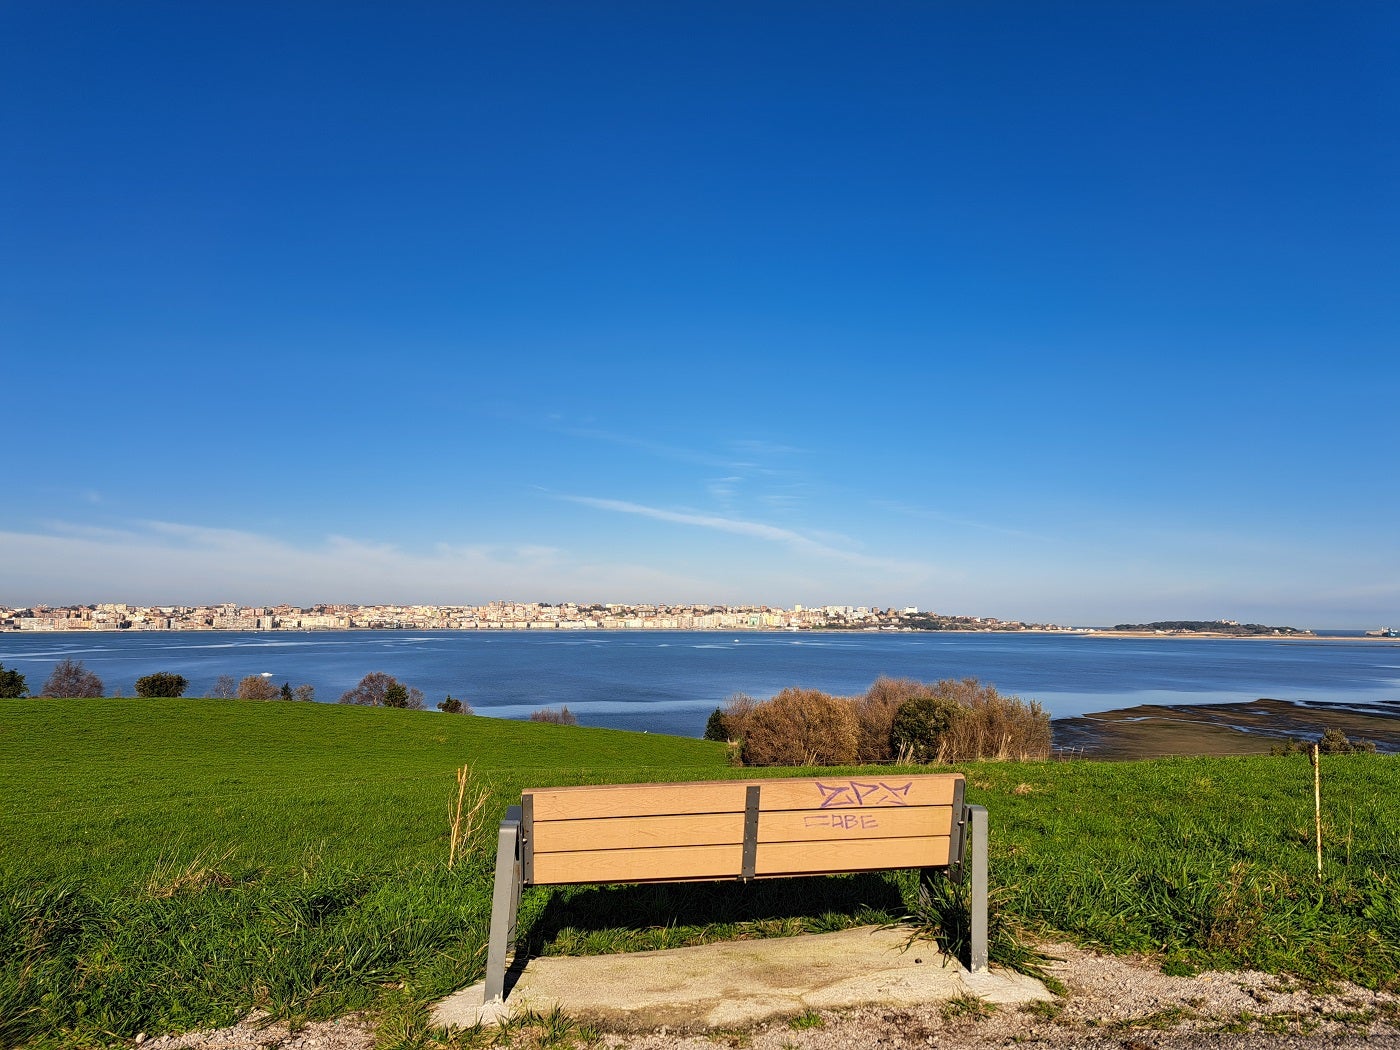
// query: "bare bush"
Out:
[71,679]
[256,687]
[225,688]
[561,717]
[989,725]
[728,723]
[801,727]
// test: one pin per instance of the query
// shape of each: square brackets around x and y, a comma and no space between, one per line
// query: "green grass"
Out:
[169,864]
[1209,862]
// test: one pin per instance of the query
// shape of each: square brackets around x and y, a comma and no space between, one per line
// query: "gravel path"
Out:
[1112,1002]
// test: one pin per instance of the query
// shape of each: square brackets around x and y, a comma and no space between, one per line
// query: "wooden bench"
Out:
[735,829]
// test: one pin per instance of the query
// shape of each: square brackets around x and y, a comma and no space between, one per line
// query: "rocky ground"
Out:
[1122,1003]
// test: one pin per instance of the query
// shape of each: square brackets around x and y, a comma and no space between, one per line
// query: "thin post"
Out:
[977,902]
[1317,805]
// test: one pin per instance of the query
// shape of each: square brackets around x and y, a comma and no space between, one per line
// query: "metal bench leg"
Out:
[977,903]
[505,904]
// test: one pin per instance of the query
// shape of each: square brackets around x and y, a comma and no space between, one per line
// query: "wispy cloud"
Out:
[677,453]
[748,457]
[724,490]
[797,541]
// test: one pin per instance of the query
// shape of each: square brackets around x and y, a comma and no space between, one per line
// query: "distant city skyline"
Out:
[1068,315]
[563,615]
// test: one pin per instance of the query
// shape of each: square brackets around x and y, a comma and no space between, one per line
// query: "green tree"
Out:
[162,683]
[378,689]
[71,679]
[919,725]
[716,727]
[286,693]
[12,684]
[453,706]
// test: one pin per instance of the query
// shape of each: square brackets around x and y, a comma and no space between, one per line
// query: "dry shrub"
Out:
[875,712]
[802,727]
[989,725]
[256,687]
[562,717]
[735,715]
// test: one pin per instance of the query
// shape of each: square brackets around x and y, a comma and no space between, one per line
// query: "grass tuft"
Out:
[200,873]
[966,1008]
[941,913]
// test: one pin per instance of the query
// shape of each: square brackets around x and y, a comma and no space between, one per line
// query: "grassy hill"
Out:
[168,864]
[112,789]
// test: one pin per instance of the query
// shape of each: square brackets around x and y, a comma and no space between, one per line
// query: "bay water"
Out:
[670,681]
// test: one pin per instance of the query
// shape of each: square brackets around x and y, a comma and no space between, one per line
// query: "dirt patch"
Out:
[1114,1002]
[258,1032]
[1122,1003]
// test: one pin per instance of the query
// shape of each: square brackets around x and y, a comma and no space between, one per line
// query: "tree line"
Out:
[71,680]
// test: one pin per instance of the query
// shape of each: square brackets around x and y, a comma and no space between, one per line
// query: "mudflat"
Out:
[1155,731]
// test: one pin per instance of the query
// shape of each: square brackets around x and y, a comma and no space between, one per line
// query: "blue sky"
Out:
[1078,312]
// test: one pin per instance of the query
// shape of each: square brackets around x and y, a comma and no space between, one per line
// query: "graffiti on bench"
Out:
[842,821]
[855,793]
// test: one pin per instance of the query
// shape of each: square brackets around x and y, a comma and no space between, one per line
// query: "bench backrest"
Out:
[740,829]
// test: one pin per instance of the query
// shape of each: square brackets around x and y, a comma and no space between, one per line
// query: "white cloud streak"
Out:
[797,541]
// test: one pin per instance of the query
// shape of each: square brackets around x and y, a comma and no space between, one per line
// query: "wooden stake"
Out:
[1317,805]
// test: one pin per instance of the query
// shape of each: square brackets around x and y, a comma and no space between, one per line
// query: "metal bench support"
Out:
[977,903]
[505,903]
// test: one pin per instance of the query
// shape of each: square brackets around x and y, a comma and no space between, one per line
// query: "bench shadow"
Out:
[591,909]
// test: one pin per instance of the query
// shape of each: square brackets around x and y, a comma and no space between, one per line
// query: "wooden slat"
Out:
[638,800]
[727,828]
[698,829]
[639,865]
[727,796]
[820,858]
[835,826]
[723,862]
[858,792]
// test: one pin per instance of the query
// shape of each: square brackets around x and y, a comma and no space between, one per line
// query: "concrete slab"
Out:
[739,983]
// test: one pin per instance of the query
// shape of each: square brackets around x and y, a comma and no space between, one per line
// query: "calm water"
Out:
[670,681]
